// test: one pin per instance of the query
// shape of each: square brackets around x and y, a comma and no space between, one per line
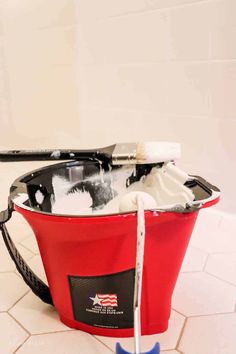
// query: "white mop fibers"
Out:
[161,188]
[129,202]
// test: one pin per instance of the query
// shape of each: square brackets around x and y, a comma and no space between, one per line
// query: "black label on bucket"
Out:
[103,301]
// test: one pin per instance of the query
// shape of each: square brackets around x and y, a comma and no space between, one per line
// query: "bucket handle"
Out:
[38,287]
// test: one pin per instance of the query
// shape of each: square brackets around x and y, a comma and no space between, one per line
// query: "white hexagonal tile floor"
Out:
[6,263]
[202,294]
[36,316]
[18,227]
[223,266]
[210,335]
[30,243]
[12,289]
[63,343]
[36,265]
[168,340]
[214,233]
[12,335]
[194,260]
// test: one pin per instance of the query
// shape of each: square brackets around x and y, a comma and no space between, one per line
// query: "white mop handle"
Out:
[139,273]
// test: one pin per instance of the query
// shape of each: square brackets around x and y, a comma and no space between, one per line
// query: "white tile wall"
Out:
[138,87]
[137,38]
[132,119]
[222,89]
[171,59]
[159,69]
[49,88]
[39,47]
[190,31]
[187,89]
[113,8]
[38,44]
[223,30]
[38,14]
[5,114]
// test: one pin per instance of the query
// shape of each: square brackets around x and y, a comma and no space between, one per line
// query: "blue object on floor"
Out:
[154,350]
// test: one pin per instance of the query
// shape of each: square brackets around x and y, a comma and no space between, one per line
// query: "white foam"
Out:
[78,203]
[164,187]
[39,197]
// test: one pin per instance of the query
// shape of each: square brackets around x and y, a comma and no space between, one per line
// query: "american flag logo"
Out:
[105,300]
[108,299]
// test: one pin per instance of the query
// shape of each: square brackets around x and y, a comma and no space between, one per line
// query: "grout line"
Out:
[23,246]
[54,332]
[222,252]
[7,33]
[205,263]
[32,256]
[191,271]
[27,292]
[181,333]
[25,238]
[150,10]
[8,271]
[180,313]
[28,249]
[55,64]
[85,107]
[65,331]
[14,271]
[199,249]
[155,62]
[105,345]
[221,279]
[18,274]
[6,87]
[21,345]
[144,111]
[212,314]
[19,323]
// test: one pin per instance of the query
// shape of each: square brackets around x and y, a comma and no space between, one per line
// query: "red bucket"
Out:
[89,260]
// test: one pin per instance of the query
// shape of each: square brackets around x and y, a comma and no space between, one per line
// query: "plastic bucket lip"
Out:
[19,194]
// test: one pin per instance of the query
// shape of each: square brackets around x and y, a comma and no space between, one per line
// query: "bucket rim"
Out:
[18,195]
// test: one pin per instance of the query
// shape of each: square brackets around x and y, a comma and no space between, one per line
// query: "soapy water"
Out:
[93,195]
[112,191]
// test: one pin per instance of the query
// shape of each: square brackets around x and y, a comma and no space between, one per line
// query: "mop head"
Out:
[129,201]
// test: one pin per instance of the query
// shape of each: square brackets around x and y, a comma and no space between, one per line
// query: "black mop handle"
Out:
[38,287]
[56,154]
